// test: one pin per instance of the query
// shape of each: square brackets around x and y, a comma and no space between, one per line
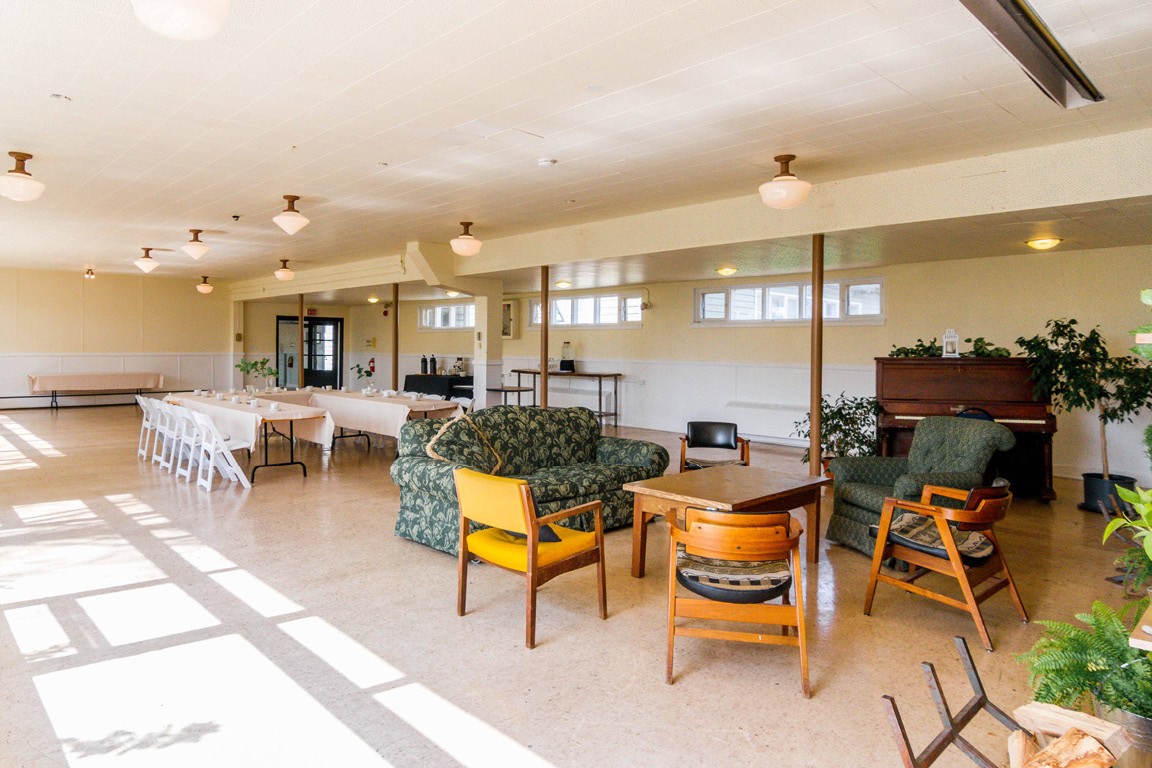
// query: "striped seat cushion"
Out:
[691,463]
[920,533]
[733,581]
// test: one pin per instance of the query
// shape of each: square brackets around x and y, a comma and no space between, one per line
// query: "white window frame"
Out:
[622,297]
[844,318]
[421,325]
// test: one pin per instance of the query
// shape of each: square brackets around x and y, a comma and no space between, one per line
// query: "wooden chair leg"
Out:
[601,580]
[462,579]
[784,600]
[671,610]
[801,630]
[1016,599]
[878,556]
[530,613]
[961,576]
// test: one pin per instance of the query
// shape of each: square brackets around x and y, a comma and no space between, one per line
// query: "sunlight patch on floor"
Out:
[12,458]
[217,702]
[198,554]
[254,593]
[54,512]
[468,739]
[37,633]
[132,615]
[362,667]
[42,446]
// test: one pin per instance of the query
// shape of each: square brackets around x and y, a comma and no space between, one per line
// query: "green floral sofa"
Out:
[560,452]
[946,450]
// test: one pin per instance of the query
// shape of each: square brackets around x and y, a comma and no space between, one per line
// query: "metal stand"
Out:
[952,725]
[343,435]
[291,437]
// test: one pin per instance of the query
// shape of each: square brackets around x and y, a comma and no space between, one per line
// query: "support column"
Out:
[816,363]
[299,341]
[545,319]
[395,335]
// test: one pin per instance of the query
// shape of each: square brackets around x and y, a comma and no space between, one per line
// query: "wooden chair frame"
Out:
[742,445]
[735,536]
[986,513]
[536,575]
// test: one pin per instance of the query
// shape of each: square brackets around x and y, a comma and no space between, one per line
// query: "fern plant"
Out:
[1069,662]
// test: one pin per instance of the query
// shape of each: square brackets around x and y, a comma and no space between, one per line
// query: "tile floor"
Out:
[149,623]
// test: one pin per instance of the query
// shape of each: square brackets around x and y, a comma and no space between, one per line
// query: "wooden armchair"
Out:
[520,542]
[734,563]
[959,543]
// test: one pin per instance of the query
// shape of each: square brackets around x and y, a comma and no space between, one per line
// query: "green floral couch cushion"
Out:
[560,452]
[462,441]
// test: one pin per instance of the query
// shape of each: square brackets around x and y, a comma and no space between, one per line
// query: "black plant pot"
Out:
[1099,491]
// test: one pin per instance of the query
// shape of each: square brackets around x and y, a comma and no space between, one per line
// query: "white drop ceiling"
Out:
[395,120]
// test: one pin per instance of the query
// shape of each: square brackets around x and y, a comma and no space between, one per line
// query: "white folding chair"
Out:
[178,424]
[147,425]
[165,430]
[215,454]
[431,397]
[188,443]
[465,402]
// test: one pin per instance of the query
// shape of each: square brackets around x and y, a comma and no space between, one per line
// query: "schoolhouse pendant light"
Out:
[785,190]
[146,263]
[284,273]
[194,247]
[182,19]
[291,220]
[466,244]
[204,286]
[18,184]
[89,274]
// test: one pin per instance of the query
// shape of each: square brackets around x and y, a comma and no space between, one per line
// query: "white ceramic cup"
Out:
[254,403]
[235,398]
[274,406]
[219,395]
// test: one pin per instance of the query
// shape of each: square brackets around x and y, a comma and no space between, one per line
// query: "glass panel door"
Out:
[323,351]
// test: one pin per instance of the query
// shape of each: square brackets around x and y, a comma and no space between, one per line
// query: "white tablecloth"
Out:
[243,421]
[378,415]
[92,382]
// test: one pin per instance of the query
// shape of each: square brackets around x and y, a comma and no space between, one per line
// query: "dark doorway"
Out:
[323,358]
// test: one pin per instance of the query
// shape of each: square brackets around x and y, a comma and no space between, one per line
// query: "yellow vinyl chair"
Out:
[505,504]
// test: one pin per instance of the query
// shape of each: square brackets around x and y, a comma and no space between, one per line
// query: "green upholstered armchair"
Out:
[946,450]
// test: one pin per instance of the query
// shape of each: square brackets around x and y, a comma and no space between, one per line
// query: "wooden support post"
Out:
[545,318]
[395,335]
[299,342]
[816,362]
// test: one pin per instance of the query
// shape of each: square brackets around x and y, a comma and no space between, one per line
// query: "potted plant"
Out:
[363,373]
[258,369]
[1076,371]
[1136,517]
[847,428]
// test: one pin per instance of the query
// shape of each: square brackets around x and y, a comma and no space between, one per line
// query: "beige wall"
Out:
[1000,299]
[260,323]
[62,313]
[414,341]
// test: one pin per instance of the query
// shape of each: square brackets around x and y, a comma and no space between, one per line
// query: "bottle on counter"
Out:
[458,368]
[424,363]
[432,365]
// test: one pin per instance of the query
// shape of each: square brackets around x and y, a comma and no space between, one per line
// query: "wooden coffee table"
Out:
[727,488]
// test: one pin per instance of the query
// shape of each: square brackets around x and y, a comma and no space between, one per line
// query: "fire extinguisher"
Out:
[372,364]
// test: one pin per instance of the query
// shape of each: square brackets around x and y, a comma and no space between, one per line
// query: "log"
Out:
[1021,748]
[1051,720]
[1075,749]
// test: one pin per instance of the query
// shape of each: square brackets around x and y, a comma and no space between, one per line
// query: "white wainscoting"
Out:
[181,371]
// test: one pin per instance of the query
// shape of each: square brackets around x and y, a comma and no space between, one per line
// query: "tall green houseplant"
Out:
[847,427]
[1077,372]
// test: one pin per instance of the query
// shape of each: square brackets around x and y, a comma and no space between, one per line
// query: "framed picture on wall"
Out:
[508,319]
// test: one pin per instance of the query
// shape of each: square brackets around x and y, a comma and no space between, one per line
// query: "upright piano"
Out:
[908,389]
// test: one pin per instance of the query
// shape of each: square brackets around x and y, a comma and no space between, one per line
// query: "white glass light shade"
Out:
[20,187]
[182,19]
[146,264]
[290,221]
[194,247]
[784,191]
[466,245]
[204,287]
[284,273]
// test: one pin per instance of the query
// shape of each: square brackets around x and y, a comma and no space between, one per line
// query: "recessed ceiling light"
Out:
[727,271]
[545,162]
[373,299]
[59,96]
[1044,243]
[451,294]
[563,284]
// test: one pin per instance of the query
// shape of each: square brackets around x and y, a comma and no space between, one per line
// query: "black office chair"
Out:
[711,434]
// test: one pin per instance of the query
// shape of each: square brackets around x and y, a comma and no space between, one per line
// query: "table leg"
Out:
[813,511]
[639,538]
[291,452]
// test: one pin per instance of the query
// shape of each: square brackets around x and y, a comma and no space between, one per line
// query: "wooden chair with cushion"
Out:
[712,434]
[959,543]
[734,564]
[520,542]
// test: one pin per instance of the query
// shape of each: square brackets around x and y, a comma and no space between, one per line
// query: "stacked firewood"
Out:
[1072,739]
